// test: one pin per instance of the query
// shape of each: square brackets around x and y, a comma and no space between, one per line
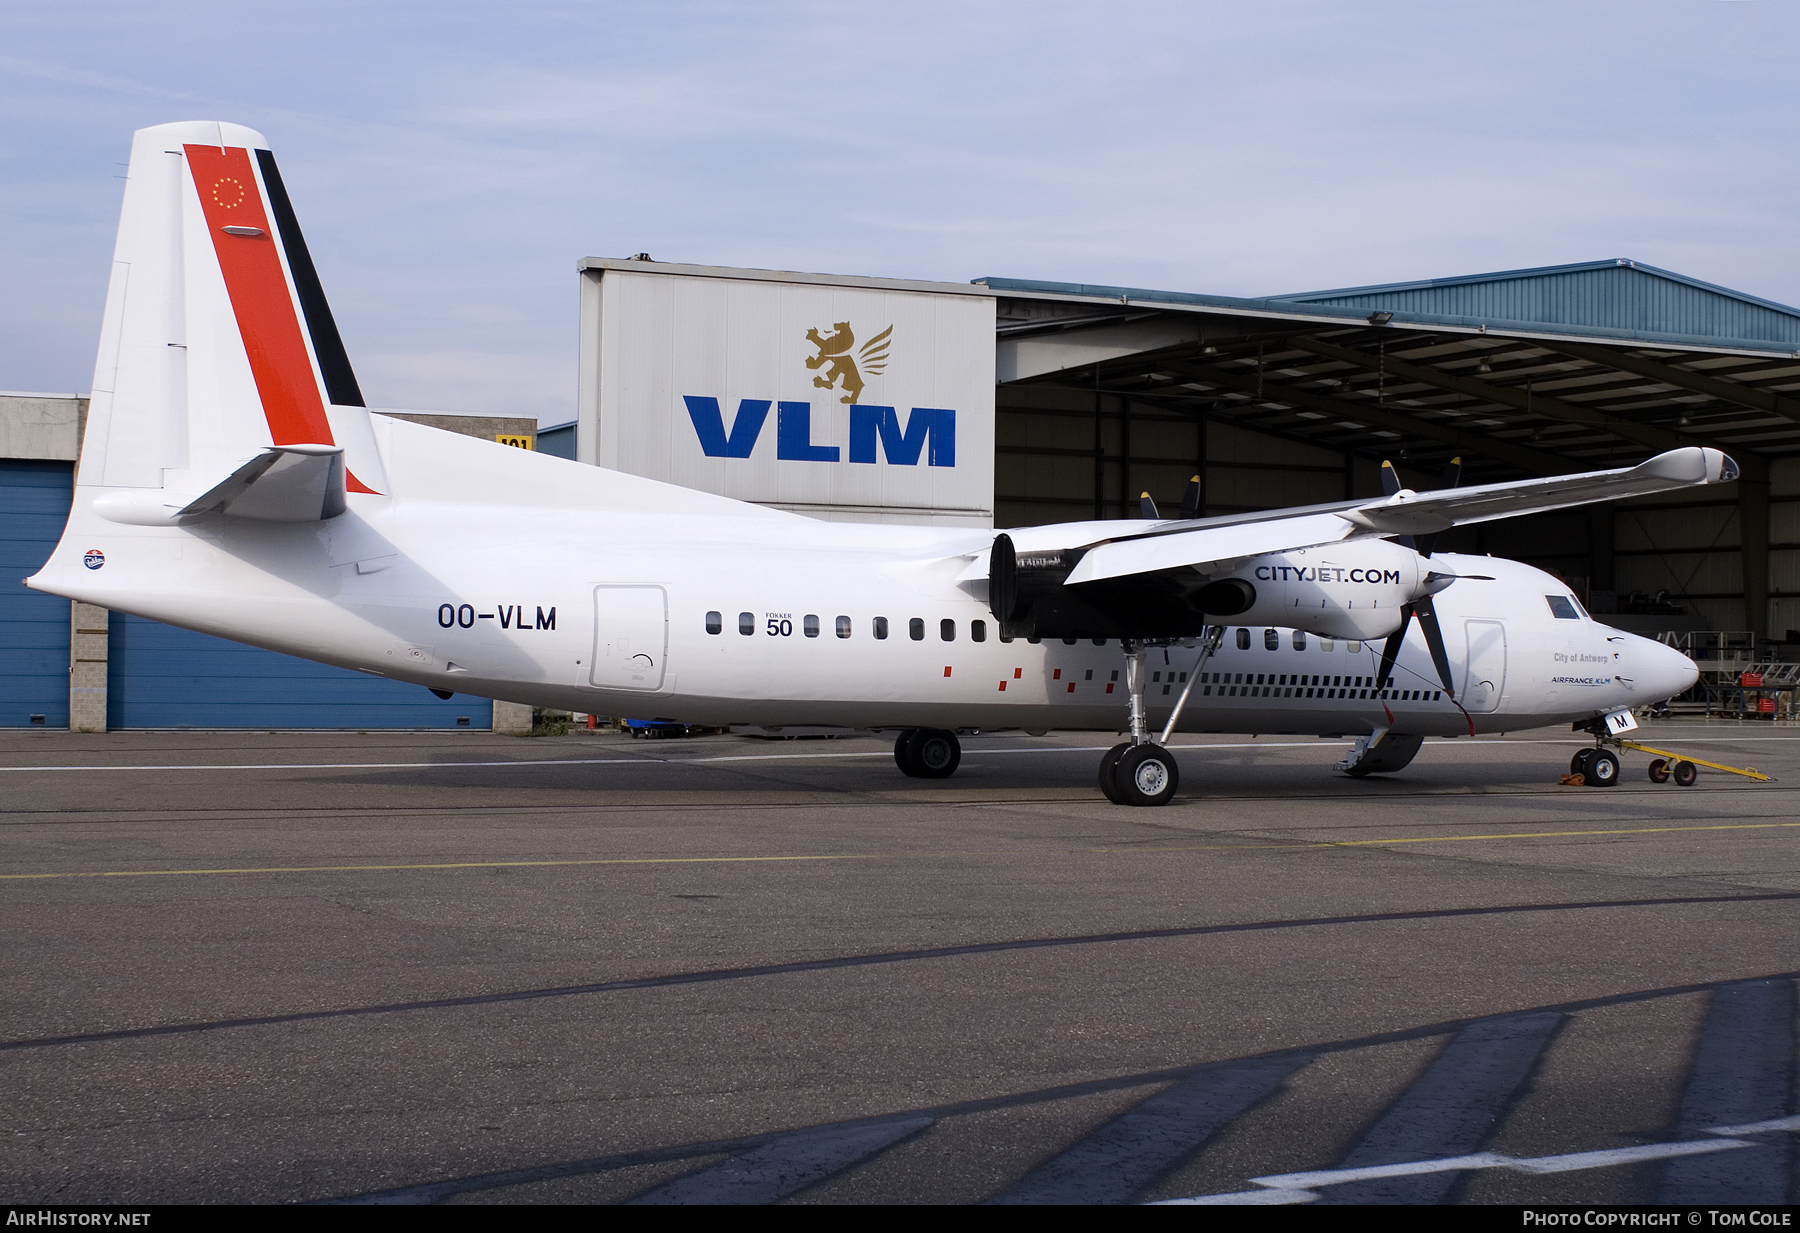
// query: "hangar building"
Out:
[1009,402]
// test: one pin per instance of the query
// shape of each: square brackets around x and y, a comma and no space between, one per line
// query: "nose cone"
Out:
[1656,671]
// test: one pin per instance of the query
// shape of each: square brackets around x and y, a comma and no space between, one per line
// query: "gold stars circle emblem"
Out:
[228,193]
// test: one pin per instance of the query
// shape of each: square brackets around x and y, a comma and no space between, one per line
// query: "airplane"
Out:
[233,482]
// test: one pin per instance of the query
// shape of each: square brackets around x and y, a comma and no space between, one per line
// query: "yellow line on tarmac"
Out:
[624,860]
[875,856]
[1641,830]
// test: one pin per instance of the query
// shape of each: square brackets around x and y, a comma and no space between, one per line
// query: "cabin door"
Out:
[631,637]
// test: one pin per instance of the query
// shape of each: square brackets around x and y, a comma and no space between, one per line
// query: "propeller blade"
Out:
[1147,507]
[1451,478]
[1190,500]
[1391,651]
[1390,484]
[1434,638]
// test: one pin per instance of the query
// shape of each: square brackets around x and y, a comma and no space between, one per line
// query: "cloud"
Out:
[452,161]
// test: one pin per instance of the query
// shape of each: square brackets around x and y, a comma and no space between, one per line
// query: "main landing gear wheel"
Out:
[1144,775]
[1685,773]
[1602,769]
[928,753]
[1108,765]
[902,758]
[1659,771]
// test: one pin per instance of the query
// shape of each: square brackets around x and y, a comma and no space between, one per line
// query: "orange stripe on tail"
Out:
[260,299]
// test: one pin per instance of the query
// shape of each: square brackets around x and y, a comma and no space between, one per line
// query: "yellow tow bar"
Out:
[1674,762]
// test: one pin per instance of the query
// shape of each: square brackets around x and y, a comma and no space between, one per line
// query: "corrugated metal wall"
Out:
[34,628]
[159,676]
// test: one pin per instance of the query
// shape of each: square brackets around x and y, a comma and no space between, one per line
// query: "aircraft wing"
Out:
[1202,542]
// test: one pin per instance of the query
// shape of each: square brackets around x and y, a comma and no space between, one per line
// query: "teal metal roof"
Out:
[1609,301]
[1617,295]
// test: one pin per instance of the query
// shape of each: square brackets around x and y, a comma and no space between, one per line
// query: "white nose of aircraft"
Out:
[1656,671]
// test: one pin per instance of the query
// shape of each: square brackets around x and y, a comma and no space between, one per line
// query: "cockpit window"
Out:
[1562,608]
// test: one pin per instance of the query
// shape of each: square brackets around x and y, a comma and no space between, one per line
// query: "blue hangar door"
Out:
[159,676]
[34,628]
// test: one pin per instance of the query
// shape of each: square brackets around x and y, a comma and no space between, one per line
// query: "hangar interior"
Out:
[1107,392]
[1103,393]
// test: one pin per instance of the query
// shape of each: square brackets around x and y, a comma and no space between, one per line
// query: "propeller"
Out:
[1421,607]
[1147,506]
[1190,500]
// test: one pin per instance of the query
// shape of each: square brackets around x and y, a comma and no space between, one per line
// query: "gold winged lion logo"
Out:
[845,370]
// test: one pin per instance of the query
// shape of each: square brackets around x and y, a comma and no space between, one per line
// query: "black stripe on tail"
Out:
[334,364]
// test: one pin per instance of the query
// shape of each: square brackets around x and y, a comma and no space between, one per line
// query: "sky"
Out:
[450,162]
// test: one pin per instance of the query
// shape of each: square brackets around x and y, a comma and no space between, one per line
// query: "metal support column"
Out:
[1753,538]
[1601,572]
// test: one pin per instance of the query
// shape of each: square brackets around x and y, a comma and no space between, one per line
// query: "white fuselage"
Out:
[603,608]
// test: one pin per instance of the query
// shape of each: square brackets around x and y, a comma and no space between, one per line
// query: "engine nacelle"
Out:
[1351,590]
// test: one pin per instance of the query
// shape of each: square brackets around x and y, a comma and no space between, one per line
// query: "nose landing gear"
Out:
[1599,766]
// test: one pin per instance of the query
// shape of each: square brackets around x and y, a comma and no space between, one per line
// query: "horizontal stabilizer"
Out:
[284,483]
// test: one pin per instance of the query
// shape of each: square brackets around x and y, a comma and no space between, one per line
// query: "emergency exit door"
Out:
[631,637]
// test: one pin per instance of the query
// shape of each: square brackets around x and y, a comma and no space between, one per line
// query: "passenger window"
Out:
[1299,640]
[746,623]
[1099,642]
[1353,647]
[1243,639]
[1562,608]
[915,629]
[947,630]
[1271,640]
[977,631]
[1034,640]
[809,625]
[1004,636]
[1325,645]
[1070,641]
[880,626]
[843,627]
[714,623]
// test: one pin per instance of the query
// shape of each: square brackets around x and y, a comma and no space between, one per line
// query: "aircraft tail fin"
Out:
[218,343]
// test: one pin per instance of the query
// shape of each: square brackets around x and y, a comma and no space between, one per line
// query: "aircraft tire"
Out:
[1602,769]
[1578,764]
[1109,765]
[1147,775]
[903,752]
[934,753]
[1685,773]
